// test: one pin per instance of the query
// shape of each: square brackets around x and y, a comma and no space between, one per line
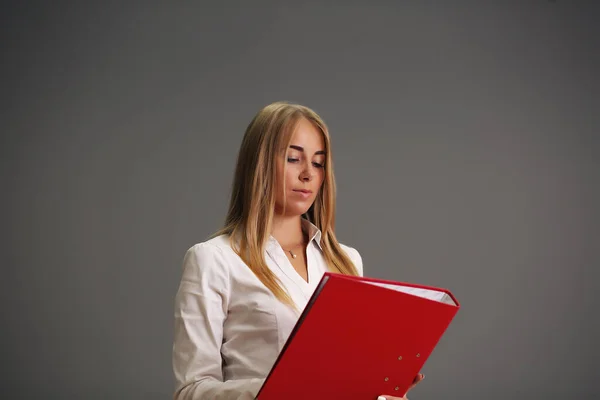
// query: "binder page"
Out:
[442,297]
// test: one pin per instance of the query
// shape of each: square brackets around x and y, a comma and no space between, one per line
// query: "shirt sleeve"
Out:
[201,305]
[358,262]
[355,257]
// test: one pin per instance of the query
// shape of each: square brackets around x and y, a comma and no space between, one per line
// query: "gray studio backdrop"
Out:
[466,150]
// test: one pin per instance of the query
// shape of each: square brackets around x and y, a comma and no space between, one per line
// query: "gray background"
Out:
[466,150]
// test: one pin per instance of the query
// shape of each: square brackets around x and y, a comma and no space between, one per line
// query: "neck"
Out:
[288,230]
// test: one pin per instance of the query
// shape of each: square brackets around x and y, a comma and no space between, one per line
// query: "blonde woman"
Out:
[242,291]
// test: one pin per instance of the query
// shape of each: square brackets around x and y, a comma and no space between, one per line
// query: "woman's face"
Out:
[304,161]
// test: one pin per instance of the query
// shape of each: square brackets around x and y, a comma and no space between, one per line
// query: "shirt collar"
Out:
[313,233]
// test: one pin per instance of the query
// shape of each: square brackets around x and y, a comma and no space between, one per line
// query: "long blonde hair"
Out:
[252,204]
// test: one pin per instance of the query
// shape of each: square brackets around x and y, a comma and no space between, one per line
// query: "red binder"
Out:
[359,338]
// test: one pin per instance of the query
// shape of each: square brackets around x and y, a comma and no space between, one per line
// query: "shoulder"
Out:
[218,243]
[205,274]
[355,256]
[208,259]
[215,247]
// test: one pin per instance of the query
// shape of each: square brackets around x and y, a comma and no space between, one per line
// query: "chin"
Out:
[296,211]
[293,208]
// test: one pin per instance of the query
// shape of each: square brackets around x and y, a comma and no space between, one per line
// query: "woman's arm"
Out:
[200,309]
[240,389]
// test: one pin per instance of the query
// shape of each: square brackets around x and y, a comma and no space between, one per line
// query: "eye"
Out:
[317,165]
[290,159]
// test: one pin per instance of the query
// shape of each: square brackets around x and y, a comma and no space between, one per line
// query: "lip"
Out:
[305,193]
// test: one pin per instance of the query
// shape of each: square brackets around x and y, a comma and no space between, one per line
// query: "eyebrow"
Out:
[300,148]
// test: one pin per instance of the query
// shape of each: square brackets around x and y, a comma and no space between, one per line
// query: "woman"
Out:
[243,290]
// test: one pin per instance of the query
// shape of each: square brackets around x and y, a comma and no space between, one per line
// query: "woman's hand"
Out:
[418,379]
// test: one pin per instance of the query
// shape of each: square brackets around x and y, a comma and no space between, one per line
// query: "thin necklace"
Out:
[292,253]
[303,243]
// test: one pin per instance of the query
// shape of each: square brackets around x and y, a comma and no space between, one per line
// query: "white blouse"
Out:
[229,328]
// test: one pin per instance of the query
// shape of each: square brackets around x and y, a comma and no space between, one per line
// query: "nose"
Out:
[307,173]
[306,176]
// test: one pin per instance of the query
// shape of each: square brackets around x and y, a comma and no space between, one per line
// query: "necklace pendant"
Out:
[293,255]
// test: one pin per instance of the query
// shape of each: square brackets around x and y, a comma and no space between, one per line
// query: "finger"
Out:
[417,379]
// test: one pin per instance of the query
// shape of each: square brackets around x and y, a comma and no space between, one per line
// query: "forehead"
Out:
[308,135]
